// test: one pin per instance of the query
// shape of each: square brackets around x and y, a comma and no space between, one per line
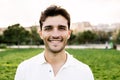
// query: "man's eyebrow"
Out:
[62,26]
[48,26]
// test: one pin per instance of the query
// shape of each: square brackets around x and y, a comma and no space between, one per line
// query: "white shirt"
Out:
[36,68]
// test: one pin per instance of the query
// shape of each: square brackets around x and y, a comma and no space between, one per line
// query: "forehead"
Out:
[55,21]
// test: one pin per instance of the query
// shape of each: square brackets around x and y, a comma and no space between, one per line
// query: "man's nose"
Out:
[55,33]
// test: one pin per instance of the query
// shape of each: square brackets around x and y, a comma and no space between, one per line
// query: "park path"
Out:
[91,46]
[2,49]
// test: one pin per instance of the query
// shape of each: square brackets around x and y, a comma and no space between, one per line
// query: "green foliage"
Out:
[1,38]
[86,37]
[79,38]
[105,64]
[10,59]
[35,37]
[102,36]
[3,46]
[118,37]
[72,39]
[16,34]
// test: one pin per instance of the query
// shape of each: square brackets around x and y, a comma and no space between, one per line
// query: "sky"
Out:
[27,12]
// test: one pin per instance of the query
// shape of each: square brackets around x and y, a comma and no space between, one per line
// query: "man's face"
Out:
[55,33]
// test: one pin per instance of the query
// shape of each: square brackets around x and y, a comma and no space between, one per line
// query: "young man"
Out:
[54,63]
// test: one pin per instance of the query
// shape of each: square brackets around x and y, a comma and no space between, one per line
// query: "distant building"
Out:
[2,30]
[29,28]
[102,27]
[116,29]
[81,27]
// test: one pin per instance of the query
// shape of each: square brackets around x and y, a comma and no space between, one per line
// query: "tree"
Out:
[35,38]
[86,37]
[79,38]
[102,36]
[16,34]
[72,39]
[1,39]
[118,37]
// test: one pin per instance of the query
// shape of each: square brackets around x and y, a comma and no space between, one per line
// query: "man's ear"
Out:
[69,34]
[40,33]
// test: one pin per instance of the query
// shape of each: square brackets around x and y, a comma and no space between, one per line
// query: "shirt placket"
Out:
[50,72]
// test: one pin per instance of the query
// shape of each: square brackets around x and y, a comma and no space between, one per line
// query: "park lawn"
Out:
[105,64]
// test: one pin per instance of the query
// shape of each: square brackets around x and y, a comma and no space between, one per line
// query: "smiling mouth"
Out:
[58,39]
[55,40]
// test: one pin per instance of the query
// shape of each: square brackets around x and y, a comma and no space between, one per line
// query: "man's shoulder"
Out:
[77,63]
[80,66]
[33,60]
[82,69]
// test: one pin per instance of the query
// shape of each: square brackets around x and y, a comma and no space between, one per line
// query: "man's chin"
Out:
[55,52]
[56,49]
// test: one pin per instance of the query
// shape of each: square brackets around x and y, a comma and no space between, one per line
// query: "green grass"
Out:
[105,64]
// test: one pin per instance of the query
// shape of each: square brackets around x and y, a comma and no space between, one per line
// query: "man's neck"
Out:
[56,60]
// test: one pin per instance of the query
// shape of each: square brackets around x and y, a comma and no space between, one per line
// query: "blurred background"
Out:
[95,38]
[92,22]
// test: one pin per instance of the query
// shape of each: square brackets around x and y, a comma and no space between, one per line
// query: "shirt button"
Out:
[50,71]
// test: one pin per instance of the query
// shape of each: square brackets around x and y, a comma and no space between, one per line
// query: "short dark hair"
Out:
[54,11]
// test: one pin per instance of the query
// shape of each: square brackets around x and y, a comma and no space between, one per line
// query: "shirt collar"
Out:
[41,58]
[68,62]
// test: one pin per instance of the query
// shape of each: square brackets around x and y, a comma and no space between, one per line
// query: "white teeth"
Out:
[55,40]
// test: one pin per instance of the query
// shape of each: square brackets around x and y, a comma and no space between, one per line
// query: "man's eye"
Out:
[62,28]
[48,28]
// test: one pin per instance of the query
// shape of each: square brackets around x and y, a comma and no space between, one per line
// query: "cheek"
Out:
[44,35]
[66,36]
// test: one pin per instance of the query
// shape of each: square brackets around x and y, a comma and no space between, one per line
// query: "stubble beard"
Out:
[64,42]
